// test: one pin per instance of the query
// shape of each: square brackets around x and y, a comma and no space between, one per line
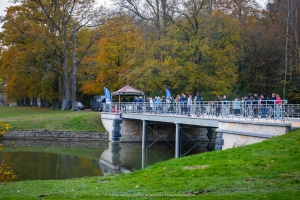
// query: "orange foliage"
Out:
[114,54]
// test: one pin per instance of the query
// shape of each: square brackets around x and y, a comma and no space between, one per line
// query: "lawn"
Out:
[266,170]
[33,118]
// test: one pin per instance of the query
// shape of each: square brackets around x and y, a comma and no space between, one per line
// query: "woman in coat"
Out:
[236,107]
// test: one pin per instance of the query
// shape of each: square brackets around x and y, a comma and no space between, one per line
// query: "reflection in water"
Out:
[126,157]
[45,166]
[46,160]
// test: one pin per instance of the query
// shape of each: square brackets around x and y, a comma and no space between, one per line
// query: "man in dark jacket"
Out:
[245,106]
[264,106]
[218,105]
[255,105]
[198,104]
[272,105]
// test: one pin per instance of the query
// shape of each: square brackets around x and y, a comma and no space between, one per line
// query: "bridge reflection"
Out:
[127,157]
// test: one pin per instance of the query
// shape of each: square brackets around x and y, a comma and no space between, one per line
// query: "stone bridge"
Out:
[128,124]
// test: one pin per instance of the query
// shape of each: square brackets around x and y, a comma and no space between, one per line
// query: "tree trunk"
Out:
[74,72]
[286,47]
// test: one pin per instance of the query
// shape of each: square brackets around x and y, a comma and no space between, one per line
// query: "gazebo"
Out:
[128,91]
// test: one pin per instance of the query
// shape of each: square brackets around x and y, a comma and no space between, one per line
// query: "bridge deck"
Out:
[205,122]
[209,121]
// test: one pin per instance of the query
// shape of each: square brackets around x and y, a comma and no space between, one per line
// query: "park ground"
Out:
[266,170]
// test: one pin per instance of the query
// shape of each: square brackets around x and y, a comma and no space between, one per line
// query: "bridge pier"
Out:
[178,140]
[145,135]
[210,137]
[144,158]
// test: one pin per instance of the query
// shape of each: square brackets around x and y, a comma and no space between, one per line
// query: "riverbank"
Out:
[54,135]
[47,119]
[266,170]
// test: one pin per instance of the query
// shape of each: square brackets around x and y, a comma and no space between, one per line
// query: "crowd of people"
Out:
[186,104]
[251,104]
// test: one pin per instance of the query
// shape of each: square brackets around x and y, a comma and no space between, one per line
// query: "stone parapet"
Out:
[55,135]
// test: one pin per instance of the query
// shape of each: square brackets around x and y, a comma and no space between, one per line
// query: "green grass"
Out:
[266,170]
[32,118]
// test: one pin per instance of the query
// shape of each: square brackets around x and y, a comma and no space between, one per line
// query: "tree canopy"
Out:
[232,47]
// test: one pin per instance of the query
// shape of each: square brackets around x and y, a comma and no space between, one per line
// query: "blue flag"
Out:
[107,95]
[168,93]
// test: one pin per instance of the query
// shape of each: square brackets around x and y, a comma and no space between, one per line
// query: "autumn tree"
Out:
[22,60]
[117,54]
[62,18]
[183,57]
[270,50]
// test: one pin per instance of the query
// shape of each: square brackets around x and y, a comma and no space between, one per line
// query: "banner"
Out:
[107,95]
[168,93]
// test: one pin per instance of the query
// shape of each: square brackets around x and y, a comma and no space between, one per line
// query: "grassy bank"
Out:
[267,170]
[32,118]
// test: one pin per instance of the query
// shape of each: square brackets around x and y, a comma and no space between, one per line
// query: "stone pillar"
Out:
[145,135]
[115,152]
[219,141]
[116,130]
[210,137]
[178,141]
[144,158]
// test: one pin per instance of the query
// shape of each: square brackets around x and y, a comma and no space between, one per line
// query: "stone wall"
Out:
[232,133]
[55,135]
[55,143]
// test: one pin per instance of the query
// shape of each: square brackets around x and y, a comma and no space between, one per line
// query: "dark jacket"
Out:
[255,101]
[264,101]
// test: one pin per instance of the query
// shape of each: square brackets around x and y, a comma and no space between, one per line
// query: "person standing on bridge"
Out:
[182,101]
[134,104]
[189,105]
[218,105]
[164,104]
[177,104]
[255,105]
[151,104]
[245,106]
[124,101]
[236,107]
[159,105]
[272,105]
[278,106]
[264,106]
[198,104]
[224,105]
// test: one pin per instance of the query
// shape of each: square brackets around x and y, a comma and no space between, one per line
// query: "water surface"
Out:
[45,160]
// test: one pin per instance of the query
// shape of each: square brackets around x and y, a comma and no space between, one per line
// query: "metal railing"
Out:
[254,110]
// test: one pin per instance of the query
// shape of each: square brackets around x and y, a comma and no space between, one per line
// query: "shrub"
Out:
[6,174]
[4,128]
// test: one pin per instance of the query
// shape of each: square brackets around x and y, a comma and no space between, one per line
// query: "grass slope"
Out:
[33,118]
[266,170]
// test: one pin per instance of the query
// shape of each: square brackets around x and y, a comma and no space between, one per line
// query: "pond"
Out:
[45,160]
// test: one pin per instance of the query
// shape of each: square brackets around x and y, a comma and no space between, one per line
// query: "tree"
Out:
[116,55]
[61,18]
